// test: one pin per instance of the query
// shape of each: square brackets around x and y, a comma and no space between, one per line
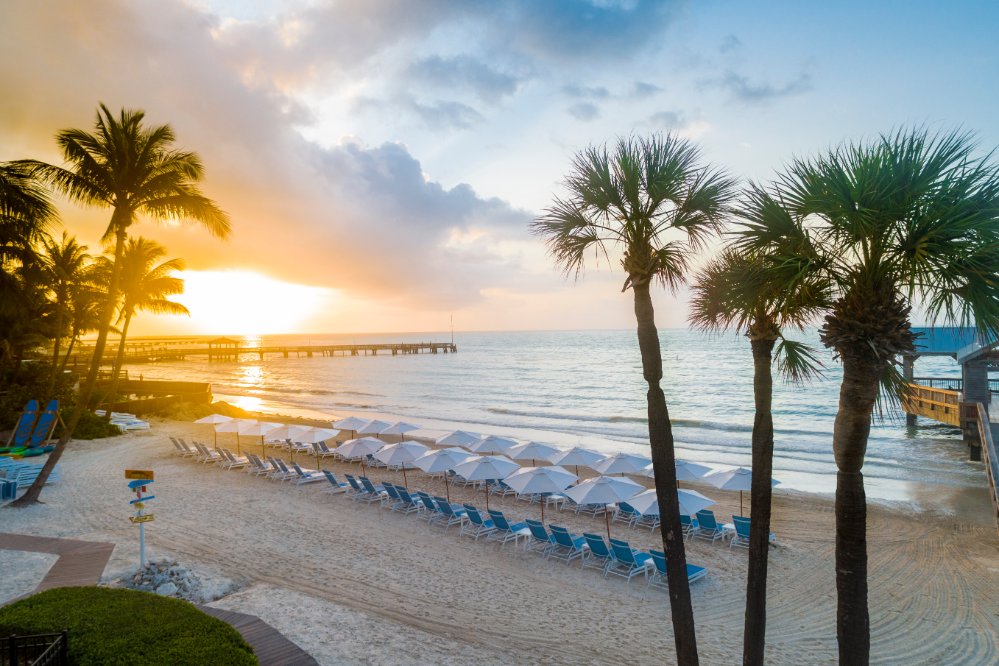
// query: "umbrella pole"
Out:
[404,481]
[262,447]
[543,500]
[447,487]
[237,444]
[607,521]
[740,503]
[487,497]
[318,466]
[216,441]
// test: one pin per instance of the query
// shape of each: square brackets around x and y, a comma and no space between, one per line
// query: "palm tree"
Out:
[909,218]
[85,300]
[655,202]
[144,286]
[64,263]
[746,293]
[132,169]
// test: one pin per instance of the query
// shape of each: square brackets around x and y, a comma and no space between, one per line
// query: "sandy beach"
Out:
[355,584]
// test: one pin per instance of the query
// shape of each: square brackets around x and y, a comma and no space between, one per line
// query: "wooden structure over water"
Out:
[227,349]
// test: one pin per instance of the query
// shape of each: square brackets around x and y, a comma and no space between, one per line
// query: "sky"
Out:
[382,160]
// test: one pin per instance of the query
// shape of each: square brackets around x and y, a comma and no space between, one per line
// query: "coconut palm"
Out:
[64,263]
[85,300]
[25,212]
[747,293]
[653,201]
[909,218]
[134,170]
[144,285]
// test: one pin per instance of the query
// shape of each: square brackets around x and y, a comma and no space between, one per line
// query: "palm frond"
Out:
[797,362]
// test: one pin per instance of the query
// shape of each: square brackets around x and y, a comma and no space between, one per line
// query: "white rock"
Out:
[166,589]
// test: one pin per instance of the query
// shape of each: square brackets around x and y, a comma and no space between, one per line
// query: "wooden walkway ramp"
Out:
[83,562]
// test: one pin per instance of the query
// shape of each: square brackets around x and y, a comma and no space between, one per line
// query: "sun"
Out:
[242,302]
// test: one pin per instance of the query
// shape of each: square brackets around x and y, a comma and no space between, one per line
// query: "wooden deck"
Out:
[82,563]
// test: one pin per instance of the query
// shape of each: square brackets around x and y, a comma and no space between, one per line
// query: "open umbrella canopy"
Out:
[442,460]
[400,428]
[459,438]
[691,501]
[214,418]
[685,471]
[292,432]
[486,468]
[532,451]
[373,427]
[312,435]
[531,480]
[402,454]
[577,456]
[604,490]
[259,428]
[232,426]
[492,444]
[621,463]
[362,447]
[350,423]
[736,478]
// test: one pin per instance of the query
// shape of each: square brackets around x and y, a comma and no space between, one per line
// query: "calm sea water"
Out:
[586,388]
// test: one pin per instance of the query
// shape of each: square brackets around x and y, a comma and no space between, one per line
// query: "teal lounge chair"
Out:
[476,526]
[336,487]
[567,546]
[448,514]
[45,425]
[505,531]
[707,527]
[628,562]
[625,514]
[597,555]
[540,541]
[407,504]
[25,424]
[658,577]
[741,536]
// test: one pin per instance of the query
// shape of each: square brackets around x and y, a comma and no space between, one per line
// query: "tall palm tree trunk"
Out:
[664,465]
[761,493]
[55,350]
[852,427]
[69,350]
[83,399]
[119,358]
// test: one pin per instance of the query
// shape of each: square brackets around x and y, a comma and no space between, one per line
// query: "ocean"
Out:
[585,388]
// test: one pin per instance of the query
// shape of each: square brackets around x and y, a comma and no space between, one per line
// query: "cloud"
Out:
[643,90]
[465,72]
[578,91]
[667,119]
[730,44]
[742,89]
[584,111]
[444,115]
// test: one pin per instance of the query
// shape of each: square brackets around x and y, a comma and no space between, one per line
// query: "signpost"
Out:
[141,478]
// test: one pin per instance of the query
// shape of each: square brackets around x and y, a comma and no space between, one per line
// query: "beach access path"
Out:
[355,584]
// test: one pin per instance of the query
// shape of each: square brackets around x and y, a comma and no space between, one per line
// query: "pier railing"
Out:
[938,404]
[977,418]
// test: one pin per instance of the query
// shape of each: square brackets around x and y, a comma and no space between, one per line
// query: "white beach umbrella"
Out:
[459,438]
[685,471]
[541,480]
[604,490]
[735,478]
[402,454]
[312,435]
[532,451]
[400,428]
[492,444]
[691,501]
[373,427]
[258,428]
[287,433]
[442,460]
[621,463]
[351,423]
[486,468]
[215,419]
[576,456]
[360,448]
[233,426]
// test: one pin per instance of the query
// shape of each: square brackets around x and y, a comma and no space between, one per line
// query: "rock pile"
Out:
[169,579]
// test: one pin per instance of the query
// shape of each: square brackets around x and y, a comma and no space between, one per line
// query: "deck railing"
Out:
[36,650]
[977,413]
[938,404]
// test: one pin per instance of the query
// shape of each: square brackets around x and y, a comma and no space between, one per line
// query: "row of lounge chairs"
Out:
[705,526]
[23,474]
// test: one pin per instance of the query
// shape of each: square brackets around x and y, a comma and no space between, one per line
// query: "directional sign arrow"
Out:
[139,483]
[143,499]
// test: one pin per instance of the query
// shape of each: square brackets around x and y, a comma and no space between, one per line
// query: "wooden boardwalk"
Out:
[83,562]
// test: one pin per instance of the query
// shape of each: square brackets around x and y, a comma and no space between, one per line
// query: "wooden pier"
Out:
[231,350]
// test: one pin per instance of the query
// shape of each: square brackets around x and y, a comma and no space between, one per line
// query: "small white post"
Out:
[142,545]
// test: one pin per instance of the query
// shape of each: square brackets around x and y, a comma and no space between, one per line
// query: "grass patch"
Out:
[113,626]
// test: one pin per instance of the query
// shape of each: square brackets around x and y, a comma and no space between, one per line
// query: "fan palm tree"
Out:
[654,201]
[144,285]
[746,293]
[64,263]
[134,170]
[909,218]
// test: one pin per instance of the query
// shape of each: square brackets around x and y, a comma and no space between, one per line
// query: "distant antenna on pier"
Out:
[452,328]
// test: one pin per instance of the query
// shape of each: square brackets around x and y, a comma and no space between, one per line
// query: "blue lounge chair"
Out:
[391,497]
[707,527]
[429,508]
[597,555]
[45,425]
[625,514]
[449,515]
[505,531]
[406,504]
[540,541]
[25,425]
[647,520]
[336,486]
[372,493]
[687,524]
[628,562]
[476,525]
[567,546]
[356,490]
[658,577]
[230,461]
[741,536]
[305,475]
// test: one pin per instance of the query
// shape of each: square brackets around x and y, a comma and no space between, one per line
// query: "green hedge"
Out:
[116,626]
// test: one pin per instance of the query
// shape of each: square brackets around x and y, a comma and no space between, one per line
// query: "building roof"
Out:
[961,342]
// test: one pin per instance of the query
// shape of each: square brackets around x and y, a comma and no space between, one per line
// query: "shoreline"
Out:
[358,584]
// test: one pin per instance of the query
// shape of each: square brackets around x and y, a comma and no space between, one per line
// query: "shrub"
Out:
[92,426]
[114,626]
